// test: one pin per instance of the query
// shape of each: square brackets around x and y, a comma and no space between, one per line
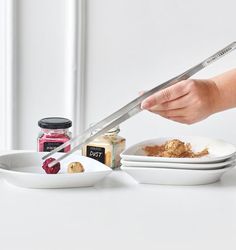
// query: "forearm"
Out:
[226,85]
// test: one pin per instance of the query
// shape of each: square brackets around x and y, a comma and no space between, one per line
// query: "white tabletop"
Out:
[120,214]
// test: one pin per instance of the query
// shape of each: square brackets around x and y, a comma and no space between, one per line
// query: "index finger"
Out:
[171,93]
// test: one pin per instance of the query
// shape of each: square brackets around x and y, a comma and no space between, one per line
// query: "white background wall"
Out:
[41,65]
[42,42]
[2,63]
[130,46]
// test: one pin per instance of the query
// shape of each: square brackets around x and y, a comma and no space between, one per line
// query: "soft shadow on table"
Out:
[117,180]
[228,180]
[120,180]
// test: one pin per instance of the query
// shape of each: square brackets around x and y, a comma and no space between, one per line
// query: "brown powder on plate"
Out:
[174,149]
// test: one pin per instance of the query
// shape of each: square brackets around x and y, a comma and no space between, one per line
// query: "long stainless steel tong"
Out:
[131,108]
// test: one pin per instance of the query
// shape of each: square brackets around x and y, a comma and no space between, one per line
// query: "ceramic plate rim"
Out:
[180,170]
[179,165]
[10,171]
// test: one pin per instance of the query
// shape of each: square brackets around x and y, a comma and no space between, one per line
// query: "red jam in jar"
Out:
[54,132]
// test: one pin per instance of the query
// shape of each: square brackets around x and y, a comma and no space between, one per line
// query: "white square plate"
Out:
[179,165]
[167,176]
[218,150]
[25,170]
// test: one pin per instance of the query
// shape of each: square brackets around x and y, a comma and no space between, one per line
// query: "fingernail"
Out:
[141,92]
[145,105]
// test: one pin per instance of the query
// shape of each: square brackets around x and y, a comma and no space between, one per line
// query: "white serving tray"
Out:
[24,170]
[169,176]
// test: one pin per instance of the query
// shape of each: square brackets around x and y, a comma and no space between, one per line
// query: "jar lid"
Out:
[55,123]
[116,129]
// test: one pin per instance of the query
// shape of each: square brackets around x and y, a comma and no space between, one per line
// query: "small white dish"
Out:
[218,150]
[25,170]
[179,165]
[164,176]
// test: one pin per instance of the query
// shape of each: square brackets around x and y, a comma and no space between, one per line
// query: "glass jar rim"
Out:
[116,130]
[55,123]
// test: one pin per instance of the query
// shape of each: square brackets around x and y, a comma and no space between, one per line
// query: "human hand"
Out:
[188,101]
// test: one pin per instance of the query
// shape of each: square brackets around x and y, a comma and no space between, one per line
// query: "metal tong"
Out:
[131,108]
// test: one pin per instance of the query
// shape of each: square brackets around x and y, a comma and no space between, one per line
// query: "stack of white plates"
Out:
[179,171]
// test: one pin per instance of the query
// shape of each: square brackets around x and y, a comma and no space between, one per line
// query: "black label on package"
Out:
[96,153]
[49,146]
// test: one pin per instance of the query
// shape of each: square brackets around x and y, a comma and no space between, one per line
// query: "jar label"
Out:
[96,153]
[49,146]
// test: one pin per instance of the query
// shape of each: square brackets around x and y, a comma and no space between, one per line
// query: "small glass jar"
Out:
[54,132]
[106,148]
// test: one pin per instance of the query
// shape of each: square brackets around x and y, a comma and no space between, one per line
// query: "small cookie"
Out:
[75,167]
